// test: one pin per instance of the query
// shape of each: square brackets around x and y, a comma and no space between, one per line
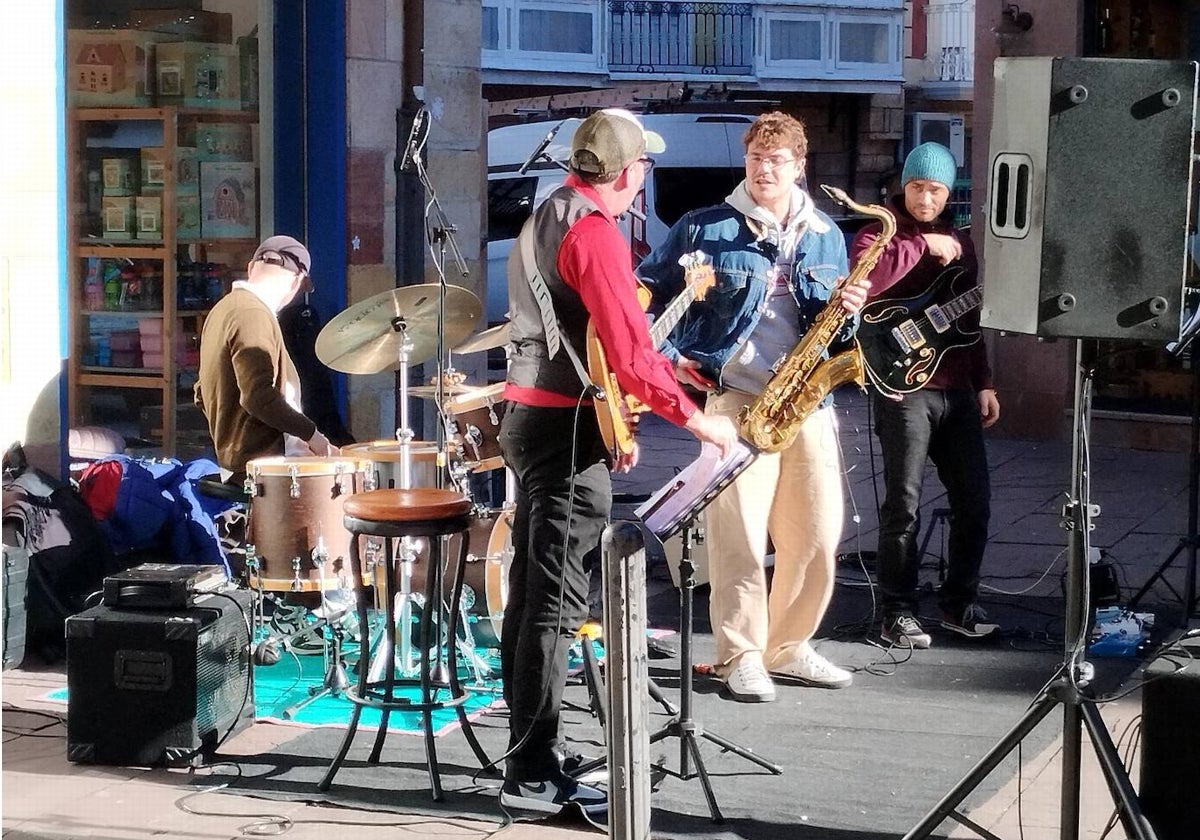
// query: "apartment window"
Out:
[491,28]
[547,30]
[795,40]
[864,41]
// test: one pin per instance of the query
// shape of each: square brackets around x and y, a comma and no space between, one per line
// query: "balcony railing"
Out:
[681,38]
[950,53]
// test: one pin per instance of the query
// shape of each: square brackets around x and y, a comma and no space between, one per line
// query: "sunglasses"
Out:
[284,260]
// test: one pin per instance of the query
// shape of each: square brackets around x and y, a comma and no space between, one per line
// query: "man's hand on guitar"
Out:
[688,372]
[944,246]
[625,462]
[718,430]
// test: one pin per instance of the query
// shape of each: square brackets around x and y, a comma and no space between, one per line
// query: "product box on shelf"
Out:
[118,216]
[188,24]
[225,141]
[120,177]
[153,168]
[111,67]
[228,205]
[149,217]
[198,75]
[187,170]
[187,216]
[248,59]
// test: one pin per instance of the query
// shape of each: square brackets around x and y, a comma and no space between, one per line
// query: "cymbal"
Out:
[429,392]
[488,339]
[361,338]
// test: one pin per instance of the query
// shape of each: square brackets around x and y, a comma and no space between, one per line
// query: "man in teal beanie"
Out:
[942,420]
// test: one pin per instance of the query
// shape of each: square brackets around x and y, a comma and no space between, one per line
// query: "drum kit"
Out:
[298,549]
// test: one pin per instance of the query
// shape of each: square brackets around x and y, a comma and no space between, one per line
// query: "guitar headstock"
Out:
[698,273]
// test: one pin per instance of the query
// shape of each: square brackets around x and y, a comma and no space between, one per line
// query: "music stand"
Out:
[1079,710]
[670,511]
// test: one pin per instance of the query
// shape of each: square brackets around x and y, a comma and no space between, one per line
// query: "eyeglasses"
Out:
[647,162]
[773,161]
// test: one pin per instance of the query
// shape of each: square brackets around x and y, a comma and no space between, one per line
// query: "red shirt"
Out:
[594,260]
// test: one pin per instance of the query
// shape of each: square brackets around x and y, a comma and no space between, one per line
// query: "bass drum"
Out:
[485,579]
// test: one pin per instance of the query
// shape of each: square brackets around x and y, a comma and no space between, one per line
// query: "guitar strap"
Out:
[556,337]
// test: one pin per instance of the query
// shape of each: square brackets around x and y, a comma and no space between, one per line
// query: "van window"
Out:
[678,189]
[510,203]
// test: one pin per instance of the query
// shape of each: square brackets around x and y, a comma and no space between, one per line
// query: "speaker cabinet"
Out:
[1170,774]
[149,687]
[1090,197]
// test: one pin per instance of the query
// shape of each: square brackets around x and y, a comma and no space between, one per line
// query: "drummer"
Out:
[248,387]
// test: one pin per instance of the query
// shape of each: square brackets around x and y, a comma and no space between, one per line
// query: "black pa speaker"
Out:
[1169,789]
[1090,197]
[149,688]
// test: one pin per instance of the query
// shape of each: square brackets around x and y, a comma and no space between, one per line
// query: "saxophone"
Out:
[805,377]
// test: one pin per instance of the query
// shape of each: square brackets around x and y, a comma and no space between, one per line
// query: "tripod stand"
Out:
[684,726]
[1188,544]
[1073,674]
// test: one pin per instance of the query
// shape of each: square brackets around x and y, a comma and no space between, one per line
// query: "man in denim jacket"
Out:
[776,258]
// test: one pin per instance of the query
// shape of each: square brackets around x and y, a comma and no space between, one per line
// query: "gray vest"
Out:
[530,364]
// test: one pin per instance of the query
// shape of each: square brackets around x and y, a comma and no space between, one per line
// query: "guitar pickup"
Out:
[937,318]
[908,335]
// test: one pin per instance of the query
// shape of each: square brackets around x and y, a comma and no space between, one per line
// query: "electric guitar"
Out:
[903,340]
[617,412]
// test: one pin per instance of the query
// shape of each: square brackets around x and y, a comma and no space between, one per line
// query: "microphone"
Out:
[537,153]
[412,148]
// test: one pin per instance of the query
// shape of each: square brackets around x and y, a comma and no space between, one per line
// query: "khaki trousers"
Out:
[796,497]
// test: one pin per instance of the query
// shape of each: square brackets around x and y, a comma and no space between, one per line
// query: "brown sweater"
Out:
[244,371]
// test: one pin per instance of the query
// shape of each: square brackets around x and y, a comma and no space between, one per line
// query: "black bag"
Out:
[69,556]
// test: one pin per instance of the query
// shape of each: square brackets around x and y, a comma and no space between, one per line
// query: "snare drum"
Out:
[383,468]
[296,518]
[485,579]
[476,417]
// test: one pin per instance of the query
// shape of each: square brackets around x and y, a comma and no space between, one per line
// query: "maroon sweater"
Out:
[907,269]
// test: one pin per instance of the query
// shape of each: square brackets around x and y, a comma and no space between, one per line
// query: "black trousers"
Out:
[564,499]
[944,426]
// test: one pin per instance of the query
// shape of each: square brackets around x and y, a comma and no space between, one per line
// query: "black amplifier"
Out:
[161,586]
[158,688]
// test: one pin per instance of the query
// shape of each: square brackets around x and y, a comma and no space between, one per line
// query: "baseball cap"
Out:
[288,252]
[609,140]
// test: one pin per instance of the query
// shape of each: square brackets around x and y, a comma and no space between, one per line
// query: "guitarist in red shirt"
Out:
[571,266]
[933,397]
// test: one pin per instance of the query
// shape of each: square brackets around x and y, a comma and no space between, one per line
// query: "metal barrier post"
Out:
[627,683]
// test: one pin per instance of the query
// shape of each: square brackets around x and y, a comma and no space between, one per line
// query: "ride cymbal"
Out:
[488,339]
[363,337]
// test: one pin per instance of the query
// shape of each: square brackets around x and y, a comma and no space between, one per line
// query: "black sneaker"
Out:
[971,622]
[550,797]
[904,631]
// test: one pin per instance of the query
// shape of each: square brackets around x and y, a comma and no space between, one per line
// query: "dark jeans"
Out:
[547,585]
[945,425]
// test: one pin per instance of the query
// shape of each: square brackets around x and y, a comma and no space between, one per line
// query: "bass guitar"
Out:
[617,412]
[903,340]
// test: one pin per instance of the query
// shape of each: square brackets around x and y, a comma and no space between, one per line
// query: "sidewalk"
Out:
[1143,498]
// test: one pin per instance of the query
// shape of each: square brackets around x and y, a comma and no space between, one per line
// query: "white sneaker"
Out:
[810,668]
[748,683]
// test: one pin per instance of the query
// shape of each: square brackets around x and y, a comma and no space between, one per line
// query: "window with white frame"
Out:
[552,28]
[491,27]
[794,39]
[864,40]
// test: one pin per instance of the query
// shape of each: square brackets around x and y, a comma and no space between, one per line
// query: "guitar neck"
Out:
[664,323]
[962,304]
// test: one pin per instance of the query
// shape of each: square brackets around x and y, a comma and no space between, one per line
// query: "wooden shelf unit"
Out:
[80,125]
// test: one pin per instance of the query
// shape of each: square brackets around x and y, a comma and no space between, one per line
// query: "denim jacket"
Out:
[712,329]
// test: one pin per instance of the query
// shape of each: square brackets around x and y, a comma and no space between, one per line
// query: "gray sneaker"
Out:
[904,631]
[970,622]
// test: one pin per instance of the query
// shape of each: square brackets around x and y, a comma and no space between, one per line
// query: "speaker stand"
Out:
[1078,709]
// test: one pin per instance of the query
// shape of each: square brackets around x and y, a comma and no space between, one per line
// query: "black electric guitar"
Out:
[903,340]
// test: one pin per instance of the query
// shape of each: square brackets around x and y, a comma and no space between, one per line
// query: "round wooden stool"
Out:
[389,514]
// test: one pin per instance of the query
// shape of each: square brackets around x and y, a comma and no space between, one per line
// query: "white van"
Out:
[703,162]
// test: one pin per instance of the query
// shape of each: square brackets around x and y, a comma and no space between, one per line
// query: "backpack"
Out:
[69,556]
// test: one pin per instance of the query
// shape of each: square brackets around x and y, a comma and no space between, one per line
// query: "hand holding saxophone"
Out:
[854,295]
